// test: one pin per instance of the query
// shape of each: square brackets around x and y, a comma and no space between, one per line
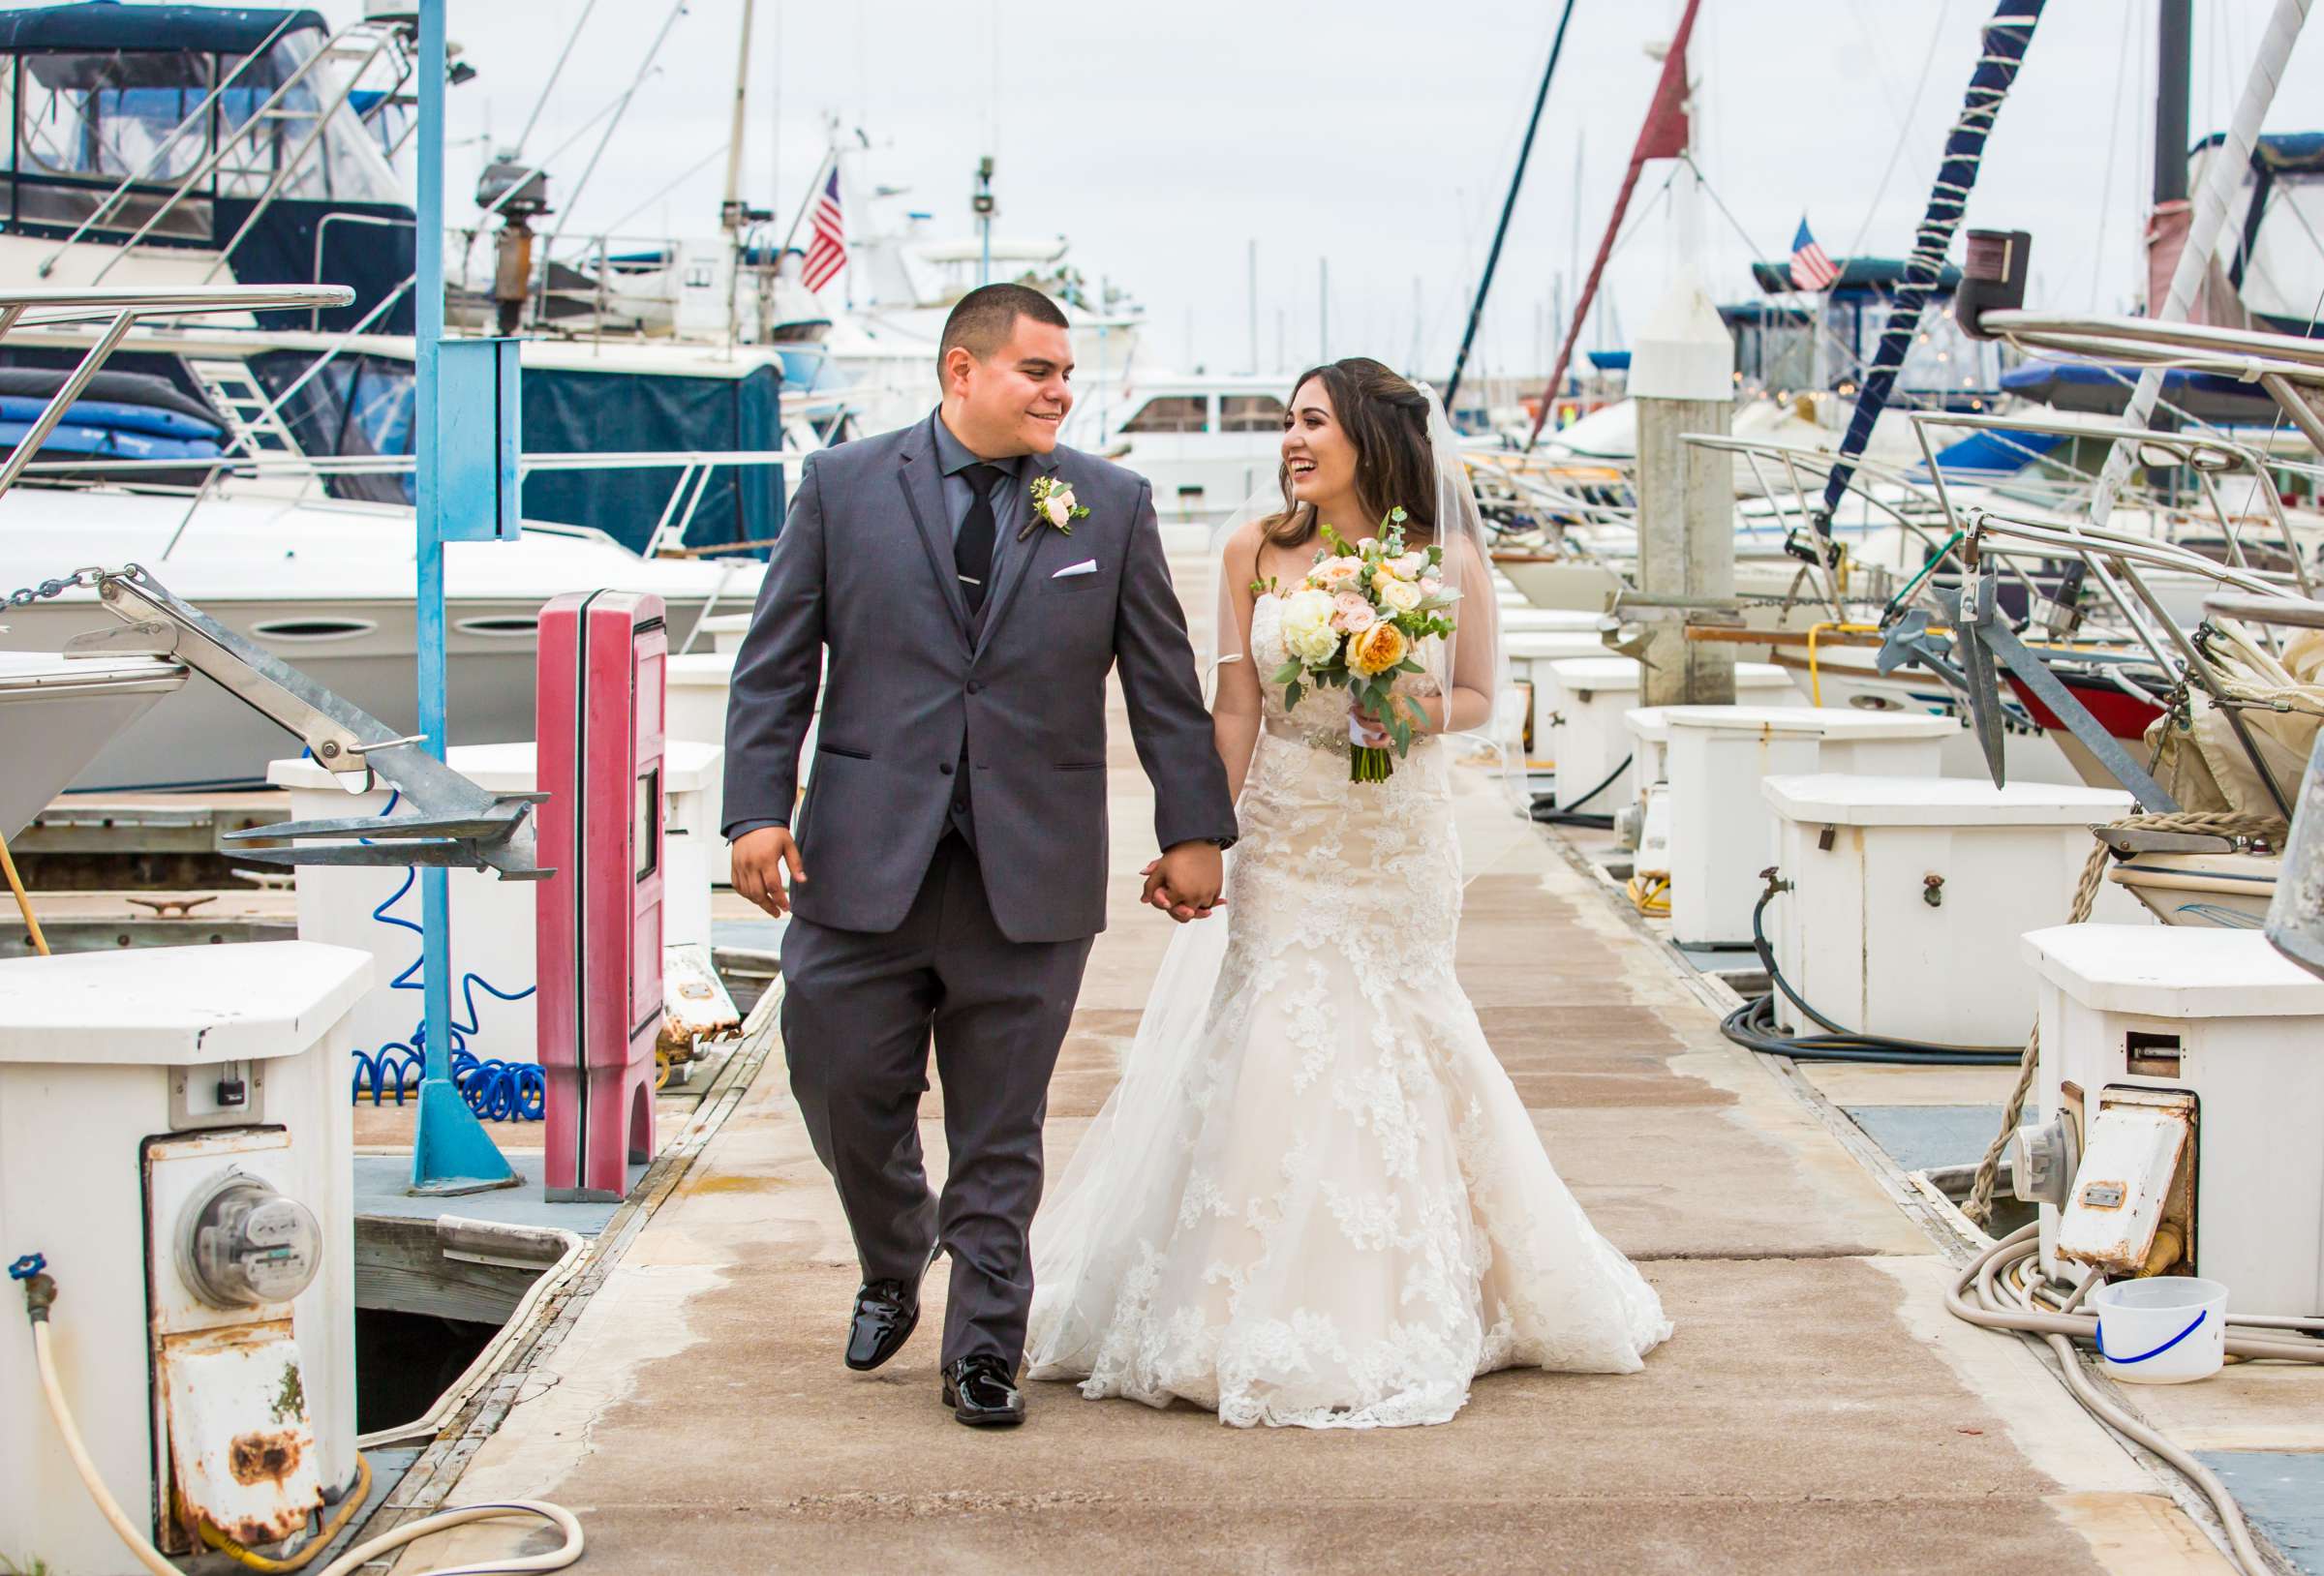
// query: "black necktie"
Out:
[973,548]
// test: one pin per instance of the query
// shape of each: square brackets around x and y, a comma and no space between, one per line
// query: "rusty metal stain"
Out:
[2137,1144]
[264,1458]
[241,1446]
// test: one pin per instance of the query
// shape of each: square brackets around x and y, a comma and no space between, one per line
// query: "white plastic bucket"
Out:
[2164,1330]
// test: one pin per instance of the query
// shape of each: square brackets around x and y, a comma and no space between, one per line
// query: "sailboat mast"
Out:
[2174,27]
[730,206]
[1662,137]
[1508,206]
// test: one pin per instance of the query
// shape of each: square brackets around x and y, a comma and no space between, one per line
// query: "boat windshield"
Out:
[357,405]
[85,119]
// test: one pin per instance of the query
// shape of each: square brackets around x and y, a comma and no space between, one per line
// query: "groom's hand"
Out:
[1184,882]
[761,859]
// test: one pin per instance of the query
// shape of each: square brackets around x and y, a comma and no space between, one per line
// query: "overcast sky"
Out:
[1377,134]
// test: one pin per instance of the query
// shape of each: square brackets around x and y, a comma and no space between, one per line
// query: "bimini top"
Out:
[107,24]
[1882,274]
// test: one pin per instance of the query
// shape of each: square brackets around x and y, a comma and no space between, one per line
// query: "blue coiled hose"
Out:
[496,1090]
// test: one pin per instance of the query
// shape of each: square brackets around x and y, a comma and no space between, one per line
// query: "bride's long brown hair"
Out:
[1387,419]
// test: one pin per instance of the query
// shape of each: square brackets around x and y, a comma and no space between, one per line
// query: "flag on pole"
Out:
[827,251]
[1811,270]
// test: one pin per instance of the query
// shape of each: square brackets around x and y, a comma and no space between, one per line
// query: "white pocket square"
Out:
[1088,566]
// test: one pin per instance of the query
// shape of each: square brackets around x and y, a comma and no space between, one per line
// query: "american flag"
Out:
[827,251]
[1811,270]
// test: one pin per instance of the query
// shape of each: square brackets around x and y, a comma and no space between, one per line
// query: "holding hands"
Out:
[1184,883]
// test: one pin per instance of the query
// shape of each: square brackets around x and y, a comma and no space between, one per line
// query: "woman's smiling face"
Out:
[1319,458]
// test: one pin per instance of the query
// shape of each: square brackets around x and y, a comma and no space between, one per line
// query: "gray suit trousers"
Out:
[858,1012]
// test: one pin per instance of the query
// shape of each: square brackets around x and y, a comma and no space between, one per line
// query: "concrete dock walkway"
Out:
[1817,1411]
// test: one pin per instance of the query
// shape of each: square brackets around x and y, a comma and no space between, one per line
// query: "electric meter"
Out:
[242,1244]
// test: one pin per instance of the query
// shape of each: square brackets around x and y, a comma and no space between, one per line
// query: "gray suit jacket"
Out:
[865,568]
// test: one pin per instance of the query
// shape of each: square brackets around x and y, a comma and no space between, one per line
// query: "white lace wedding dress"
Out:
[1315,1198]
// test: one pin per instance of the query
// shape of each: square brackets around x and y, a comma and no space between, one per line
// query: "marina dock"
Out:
[1818,1410]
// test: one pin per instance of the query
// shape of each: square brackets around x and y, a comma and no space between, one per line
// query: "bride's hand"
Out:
[1369,729]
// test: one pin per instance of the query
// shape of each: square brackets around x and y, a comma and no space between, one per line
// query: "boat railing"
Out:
[2208,456]
[695,467]
[1879,490]
[120,310]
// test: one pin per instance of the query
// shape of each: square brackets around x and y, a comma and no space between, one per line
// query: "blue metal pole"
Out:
[450,1150]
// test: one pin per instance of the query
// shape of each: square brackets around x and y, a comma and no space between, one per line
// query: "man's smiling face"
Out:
[1014,401]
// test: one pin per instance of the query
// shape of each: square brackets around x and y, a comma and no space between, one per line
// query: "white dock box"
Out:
[2224,1016]
[1909,895]
[134,1084]
[492,920]
[1588,699]
[1530,652]
[1721,829]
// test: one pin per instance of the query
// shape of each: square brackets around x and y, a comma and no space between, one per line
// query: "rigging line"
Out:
[1508,206]
[669,186]
[571,37]
[644,69]
[2114,118]
[1904,129]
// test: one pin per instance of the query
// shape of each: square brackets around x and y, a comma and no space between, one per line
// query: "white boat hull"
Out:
[57,715]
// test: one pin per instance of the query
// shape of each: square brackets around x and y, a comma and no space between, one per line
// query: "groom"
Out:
[947,872]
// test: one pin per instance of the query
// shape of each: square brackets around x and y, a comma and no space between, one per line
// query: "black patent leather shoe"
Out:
[983,1393]
[886,1312]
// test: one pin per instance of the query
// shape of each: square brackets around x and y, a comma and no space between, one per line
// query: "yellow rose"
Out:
[1377,649]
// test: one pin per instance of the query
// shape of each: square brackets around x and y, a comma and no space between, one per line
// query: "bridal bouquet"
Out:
[1356,622]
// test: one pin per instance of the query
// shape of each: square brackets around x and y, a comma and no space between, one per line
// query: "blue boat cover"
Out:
[109,442]
[112,414]
[1990,453]
[107,24]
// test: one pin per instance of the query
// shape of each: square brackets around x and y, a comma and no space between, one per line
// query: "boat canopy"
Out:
[107,24]
[1879,275]
[178,126]
[1790,342]
[2103,390]
[2268,247]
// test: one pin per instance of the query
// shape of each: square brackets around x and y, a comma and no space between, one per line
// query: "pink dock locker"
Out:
[601,719]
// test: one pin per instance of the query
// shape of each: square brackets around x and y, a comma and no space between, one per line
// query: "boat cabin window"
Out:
[1171,413]
[1249,413]
[85,121]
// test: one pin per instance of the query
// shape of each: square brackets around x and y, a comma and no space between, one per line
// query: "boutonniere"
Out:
[1053,504]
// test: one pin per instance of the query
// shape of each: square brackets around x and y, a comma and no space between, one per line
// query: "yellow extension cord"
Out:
[353,1560]
[322,1540]
[32,926]
[1651,894]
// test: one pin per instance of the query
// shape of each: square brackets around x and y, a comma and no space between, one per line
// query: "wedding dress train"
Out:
[1315,1198]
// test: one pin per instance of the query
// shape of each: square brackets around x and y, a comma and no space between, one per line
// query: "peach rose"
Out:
[1337,574]
[1377,649]
[1351,613]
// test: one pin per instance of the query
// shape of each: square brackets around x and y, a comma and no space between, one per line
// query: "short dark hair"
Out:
[985,318]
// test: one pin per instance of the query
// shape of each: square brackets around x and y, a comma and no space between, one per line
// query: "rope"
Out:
[2223,823]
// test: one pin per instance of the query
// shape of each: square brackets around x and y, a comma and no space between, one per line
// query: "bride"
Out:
[1315,1198]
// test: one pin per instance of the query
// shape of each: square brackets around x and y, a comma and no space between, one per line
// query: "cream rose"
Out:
[1400,595]
[1307,631]
[1377,649]
[1059,507]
